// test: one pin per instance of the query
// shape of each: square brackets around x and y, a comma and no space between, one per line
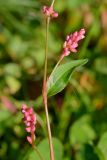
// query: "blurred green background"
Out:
[79,113]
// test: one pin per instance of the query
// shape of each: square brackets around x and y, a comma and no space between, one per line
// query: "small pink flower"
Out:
[49,12]
[29,120]
[71,43]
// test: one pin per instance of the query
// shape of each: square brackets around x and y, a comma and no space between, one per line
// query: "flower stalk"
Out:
[49,13]
[44,92]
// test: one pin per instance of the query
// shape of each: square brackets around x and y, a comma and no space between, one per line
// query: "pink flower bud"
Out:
[71,43]
[49,12]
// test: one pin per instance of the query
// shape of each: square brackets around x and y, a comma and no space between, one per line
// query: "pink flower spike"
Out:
[29,120]
[49,12]
[71,42]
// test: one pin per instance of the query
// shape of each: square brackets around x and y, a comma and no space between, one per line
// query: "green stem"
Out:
[45,94]
[61,58]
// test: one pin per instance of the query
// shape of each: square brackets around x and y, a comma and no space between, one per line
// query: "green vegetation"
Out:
[78,114]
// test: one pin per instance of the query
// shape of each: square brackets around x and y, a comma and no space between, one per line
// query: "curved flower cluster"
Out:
[71,43]
[29,120]
[49,12]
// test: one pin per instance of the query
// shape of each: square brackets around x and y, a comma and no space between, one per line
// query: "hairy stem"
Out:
[44,92]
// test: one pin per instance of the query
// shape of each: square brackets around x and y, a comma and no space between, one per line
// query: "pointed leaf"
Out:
[60,77]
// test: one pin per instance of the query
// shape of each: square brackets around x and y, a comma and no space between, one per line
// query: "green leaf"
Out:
[81,132]
[43,148]
[102,147]
[61,76]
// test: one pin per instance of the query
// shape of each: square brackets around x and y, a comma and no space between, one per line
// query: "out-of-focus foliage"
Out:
[79,113]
